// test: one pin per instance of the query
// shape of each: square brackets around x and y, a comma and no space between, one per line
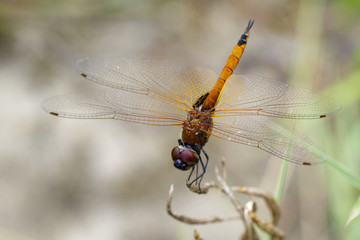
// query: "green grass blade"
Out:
[354,213]
[281,181]
[344,171]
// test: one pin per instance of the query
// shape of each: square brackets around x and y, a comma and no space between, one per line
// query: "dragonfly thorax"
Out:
[197,127]
[195,134]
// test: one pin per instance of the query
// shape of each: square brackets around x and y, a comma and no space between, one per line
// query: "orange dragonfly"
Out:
[162,93]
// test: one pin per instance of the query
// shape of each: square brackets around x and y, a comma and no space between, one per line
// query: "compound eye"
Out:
[183,158]
[175,153]
[189,157]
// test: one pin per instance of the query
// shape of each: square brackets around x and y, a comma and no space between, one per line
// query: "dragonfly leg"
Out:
[192,171]
[207,157]
[199,177]
[204,166]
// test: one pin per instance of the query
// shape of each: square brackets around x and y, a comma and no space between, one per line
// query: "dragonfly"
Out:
[238,108]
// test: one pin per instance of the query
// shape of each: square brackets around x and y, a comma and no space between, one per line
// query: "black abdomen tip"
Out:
[250,24]
[246,33]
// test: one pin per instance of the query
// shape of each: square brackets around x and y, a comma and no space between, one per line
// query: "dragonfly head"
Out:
[184,157]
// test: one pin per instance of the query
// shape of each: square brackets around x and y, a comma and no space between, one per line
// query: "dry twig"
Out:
[190,220]
[246,213]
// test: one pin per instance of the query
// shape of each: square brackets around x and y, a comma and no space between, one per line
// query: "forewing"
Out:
[269,135]
[255,95]
[178,84]
[114,104]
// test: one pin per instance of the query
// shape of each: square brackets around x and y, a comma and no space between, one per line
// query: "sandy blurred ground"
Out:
[98,179]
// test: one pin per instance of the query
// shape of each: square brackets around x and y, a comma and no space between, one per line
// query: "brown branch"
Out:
[226,189]
[189,220]
[245,213]
[269,200]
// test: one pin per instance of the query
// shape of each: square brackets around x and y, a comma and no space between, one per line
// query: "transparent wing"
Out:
[141,90]
[177,84]
[269,135]
[255,95]
[114,104]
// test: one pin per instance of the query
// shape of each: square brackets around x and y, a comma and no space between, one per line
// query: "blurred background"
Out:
[100,179]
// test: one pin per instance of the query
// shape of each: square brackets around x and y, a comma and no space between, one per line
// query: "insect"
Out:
[162,93]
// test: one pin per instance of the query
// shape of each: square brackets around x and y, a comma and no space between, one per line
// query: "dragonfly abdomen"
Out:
[211,101]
